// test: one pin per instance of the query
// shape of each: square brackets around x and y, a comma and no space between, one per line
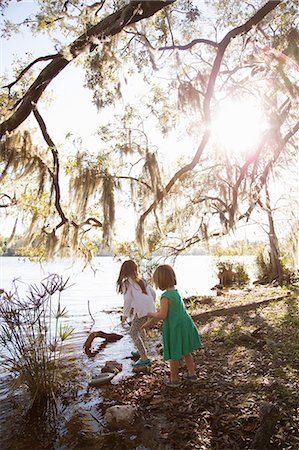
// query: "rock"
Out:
[112,367]
[120,416]
[141,369]
[103,378]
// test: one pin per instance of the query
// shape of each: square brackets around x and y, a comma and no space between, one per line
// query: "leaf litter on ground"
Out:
[250,359]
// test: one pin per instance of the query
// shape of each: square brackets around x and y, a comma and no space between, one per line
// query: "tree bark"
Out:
[277,269]
[269,415]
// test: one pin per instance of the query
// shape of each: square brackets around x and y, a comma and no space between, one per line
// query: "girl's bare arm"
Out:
[150,322]
[161,313]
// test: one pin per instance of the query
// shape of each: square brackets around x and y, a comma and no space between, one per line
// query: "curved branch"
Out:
[92,221]
[173,180]
[247,26]
[12,201]
[88,41]
[190,45]
[123,177]
[55,173]
[22,73]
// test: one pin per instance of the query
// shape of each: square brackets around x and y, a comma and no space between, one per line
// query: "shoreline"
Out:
[242,367]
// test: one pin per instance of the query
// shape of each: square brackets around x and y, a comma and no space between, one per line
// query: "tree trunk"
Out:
[277,269]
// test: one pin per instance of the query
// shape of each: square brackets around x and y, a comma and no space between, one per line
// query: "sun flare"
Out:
[237,125]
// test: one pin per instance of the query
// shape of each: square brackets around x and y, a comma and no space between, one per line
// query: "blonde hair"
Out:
[164,277]
[129,269]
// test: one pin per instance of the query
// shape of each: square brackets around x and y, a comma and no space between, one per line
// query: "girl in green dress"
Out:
[180,335]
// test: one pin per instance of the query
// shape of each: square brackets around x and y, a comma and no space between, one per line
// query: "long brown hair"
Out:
[129,269]
[164,277]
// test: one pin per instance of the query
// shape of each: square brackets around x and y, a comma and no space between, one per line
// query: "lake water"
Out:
[93,289]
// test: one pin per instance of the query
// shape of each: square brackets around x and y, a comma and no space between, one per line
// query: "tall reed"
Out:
[31,336]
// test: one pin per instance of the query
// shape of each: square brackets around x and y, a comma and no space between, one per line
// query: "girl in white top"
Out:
[139,300]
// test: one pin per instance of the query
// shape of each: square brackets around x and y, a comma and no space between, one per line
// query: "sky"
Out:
[68,92]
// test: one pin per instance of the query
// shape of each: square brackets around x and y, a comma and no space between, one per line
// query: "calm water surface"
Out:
[95,286]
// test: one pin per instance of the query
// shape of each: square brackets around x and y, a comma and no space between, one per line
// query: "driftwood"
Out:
[109,337]
[269,415]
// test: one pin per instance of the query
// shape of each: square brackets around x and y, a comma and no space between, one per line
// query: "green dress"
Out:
[180,335]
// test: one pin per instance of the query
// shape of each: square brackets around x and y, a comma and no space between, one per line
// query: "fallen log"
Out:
[109,337]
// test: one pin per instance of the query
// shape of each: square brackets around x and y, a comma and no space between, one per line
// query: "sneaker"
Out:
[191,378]
[142,362]
[172,384]
[135,354]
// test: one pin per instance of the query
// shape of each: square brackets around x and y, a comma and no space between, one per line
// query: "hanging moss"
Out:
[108,201]
[151,167]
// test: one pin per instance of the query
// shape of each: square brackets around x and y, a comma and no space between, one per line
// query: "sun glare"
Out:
[237,125]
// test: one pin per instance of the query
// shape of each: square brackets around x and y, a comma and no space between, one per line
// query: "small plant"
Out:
[264,268]
[230,273]
[31,336]
[191,302]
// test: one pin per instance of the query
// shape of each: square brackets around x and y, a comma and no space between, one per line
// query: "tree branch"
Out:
[7,197]
[255,19]
[123,177]
[22,73]
[55,173]
[88,41]
[264,175]
[190,45]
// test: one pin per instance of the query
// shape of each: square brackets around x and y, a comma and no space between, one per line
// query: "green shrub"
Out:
[232,273]
[264,269]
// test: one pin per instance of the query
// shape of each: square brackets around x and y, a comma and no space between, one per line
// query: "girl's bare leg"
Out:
[190,364]
[137,333]
[174,369]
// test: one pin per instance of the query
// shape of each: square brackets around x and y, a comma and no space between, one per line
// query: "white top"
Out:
[135,299]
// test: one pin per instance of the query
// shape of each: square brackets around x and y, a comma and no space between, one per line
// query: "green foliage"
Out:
[31,336]
[265,270]
[239,248]
[232,273]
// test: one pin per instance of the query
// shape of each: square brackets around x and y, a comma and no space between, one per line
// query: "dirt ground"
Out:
[247,394]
